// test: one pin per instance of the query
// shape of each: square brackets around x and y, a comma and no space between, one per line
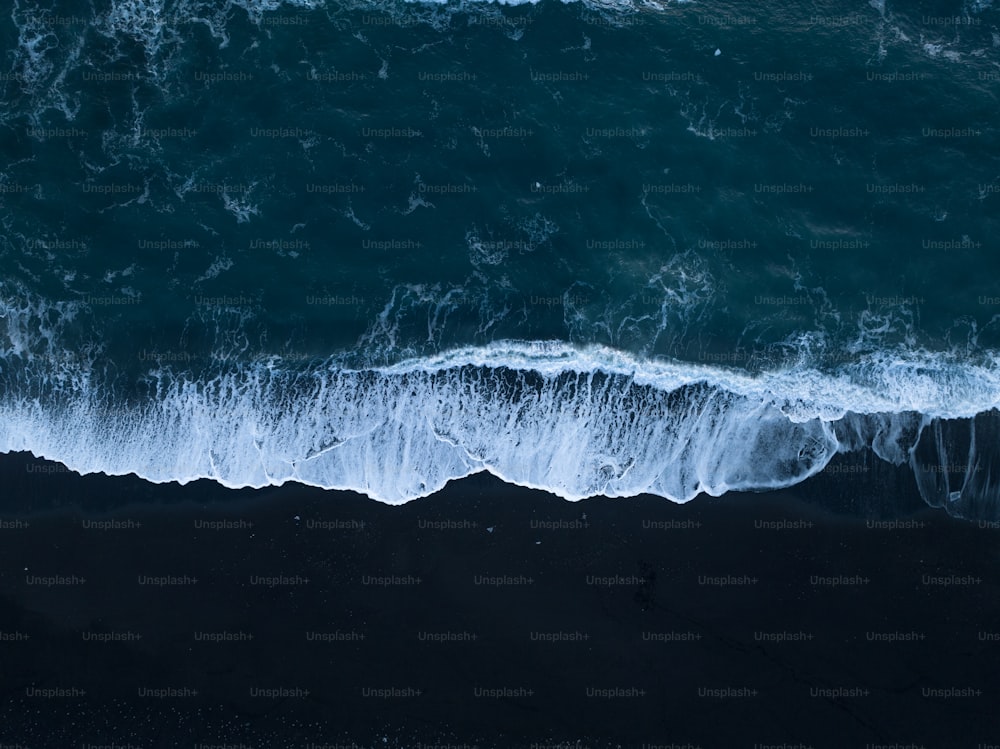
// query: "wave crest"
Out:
[577,423]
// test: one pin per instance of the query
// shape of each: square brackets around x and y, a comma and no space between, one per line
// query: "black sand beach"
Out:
[139,615]
[623,245]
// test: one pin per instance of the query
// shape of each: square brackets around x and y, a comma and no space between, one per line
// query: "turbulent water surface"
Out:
[595,248]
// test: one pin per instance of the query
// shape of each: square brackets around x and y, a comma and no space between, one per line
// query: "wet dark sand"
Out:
[140,615]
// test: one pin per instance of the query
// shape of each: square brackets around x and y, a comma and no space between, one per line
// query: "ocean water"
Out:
[597,248]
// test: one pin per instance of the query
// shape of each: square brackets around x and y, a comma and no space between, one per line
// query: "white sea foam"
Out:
[577,422]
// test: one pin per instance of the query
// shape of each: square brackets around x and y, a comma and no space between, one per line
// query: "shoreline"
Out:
[854,485]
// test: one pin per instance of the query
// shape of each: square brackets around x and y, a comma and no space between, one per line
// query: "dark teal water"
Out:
[338,243]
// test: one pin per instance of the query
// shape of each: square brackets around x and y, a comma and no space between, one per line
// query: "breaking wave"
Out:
[575,422]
